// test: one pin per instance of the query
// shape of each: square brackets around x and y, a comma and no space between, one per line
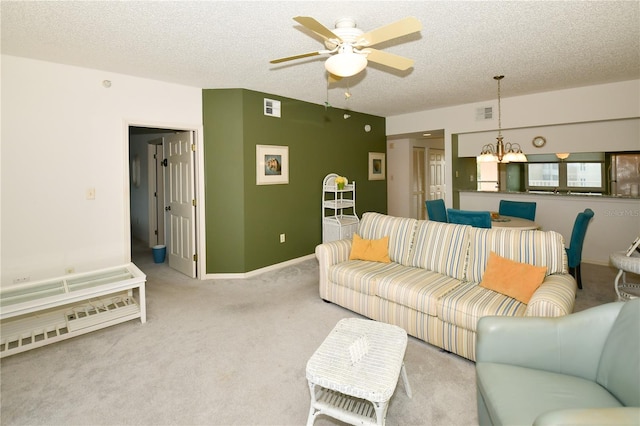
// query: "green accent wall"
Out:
[243,221]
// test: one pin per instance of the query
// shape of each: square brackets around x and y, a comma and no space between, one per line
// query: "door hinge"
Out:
[193,147]
[193,202]
[195,257]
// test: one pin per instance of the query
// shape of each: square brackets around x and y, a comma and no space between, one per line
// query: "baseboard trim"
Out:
[596,262]
[250,274]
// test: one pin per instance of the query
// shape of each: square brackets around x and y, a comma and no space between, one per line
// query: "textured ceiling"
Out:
[538,45]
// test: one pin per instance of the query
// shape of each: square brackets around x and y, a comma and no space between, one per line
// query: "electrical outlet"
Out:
[282,238]
[21,280]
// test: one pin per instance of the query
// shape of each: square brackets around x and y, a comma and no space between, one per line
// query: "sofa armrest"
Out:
[329,254]
[591,416]
[555,297]
[570,344]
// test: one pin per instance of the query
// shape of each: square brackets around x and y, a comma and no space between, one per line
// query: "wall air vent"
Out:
[271,107]
[484,113]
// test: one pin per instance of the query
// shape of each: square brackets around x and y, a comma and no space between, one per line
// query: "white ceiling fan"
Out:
[350,47]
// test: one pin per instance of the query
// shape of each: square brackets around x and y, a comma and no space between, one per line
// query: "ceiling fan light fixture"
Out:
[346,64]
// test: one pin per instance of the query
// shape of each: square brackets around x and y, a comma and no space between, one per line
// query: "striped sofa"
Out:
[430,288]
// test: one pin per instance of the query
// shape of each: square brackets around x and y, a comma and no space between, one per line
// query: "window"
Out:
[543,175]
[584,175]
[487,176]
[579,173]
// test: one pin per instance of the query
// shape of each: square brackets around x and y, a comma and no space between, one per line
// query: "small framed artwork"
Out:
[376,166]
[272,165]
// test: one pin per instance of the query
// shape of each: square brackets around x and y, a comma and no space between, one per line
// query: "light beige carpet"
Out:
[225,352]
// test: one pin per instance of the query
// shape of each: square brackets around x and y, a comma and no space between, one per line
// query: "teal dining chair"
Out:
[522,209]
[479,219]
[436,210]
[574,251]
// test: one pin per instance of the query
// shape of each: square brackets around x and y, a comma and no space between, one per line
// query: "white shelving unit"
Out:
[38,313]
[339,218]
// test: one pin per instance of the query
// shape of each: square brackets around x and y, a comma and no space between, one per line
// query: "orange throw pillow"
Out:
[373,250]
[511,278]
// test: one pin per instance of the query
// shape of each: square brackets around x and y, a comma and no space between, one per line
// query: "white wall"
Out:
[139,195]
[398,177]
[63,133]
[593,136]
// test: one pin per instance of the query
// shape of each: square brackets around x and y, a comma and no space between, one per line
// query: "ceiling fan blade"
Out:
[291,58]
[394,30]
[389,59]
[317,27]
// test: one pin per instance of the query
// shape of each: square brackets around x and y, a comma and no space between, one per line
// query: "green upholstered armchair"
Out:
[580,369]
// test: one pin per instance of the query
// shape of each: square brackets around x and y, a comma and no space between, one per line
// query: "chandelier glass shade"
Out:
[346,62]
[501,152]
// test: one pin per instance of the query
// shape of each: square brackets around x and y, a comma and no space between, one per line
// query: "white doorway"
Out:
[437,171]
[418,182]
[413,175]
[168,213]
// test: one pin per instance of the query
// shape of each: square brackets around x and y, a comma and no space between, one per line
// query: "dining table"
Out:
[512,222]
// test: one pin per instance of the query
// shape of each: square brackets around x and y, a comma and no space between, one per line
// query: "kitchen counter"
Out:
[615,225]
[552,194]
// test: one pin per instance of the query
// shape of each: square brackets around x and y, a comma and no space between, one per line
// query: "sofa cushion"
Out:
[400,231]
[538,248]
[513,279]
[415,288]
[440,247]
[516,395]
[373,250]
[466,304]
[361,275]
[619,369]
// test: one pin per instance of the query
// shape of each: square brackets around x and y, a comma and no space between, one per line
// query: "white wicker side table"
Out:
[626,290]
[354,372]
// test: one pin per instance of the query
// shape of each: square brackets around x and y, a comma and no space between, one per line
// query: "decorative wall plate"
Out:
[539,141]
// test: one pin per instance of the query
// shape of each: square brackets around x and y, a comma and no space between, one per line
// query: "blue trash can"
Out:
[159,253]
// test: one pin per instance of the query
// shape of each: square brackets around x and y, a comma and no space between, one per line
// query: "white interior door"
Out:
[418,184]
[437,187]
[180,202]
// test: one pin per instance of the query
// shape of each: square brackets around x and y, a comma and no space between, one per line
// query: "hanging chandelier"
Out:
[501,152]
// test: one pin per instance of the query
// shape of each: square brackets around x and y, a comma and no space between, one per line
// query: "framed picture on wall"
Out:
[272,165]
[376,166]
